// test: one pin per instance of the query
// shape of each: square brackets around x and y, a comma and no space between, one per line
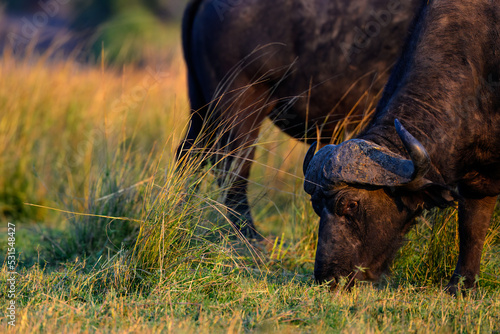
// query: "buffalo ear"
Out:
[309,155]
[434,195]
[439,195]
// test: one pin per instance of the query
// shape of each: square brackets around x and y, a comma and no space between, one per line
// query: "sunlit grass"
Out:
[120,238]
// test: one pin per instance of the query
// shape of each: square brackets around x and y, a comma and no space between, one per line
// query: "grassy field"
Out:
[110,239]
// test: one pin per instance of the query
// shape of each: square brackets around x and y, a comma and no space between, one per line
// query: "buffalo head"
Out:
[366,197]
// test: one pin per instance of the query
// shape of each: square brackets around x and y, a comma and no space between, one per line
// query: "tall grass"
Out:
[114,235]
[89,162]
[85,140]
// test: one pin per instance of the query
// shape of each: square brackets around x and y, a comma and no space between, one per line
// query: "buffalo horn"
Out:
[418,154]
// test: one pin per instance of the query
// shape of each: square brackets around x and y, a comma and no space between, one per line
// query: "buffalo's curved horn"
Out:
[309,155]
[418,154]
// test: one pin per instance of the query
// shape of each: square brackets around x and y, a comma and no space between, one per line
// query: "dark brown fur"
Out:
[303,63]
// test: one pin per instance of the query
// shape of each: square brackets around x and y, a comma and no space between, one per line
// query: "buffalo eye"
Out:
[348,207]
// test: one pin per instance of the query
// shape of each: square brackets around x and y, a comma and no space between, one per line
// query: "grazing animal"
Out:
[434,140]
[306,64]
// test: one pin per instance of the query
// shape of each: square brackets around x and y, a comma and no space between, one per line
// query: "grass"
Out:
[116,239]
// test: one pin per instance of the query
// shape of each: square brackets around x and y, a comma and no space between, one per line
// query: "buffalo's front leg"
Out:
[474,216]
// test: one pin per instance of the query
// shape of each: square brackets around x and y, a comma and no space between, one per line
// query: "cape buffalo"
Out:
[434,140]
[306,64]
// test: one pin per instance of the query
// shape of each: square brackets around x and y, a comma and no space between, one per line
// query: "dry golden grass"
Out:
[61,122]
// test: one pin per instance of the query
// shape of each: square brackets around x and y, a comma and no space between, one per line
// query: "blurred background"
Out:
[123,31]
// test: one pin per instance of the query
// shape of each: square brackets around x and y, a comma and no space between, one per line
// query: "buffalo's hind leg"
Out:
[193,139]
[242,114]
[474,216]
[192,144]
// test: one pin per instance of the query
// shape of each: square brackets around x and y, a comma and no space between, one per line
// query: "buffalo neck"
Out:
[445,88]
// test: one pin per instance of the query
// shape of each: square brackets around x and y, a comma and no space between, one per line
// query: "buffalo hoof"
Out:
[460,285]
[456,290]
[245,227]
[453,290]
[250,233]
